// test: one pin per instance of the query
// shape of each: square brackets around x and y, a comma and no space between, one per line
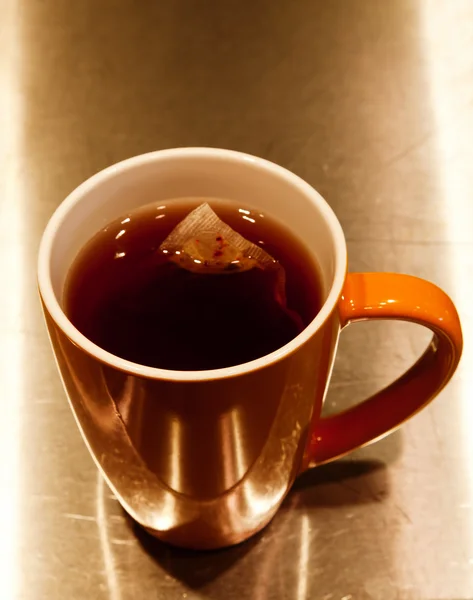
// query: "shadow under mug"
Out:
[204,459]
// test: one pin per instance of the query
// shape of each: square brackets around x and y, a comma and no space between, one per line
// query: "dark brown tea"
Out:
[128,298]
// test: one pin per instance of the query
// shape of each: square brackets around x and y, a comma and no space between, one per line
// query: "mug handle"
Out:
[406,298]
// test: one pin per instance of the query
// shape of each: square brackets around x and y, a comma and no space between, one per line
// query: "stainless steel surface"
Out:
[371,102]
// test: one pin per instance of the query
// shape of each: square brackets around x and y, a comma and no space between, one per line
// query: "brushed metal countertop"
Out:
[369,101]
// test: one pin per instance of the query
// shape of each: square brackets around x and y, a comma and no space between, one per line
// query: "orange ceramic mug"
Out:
[204,459]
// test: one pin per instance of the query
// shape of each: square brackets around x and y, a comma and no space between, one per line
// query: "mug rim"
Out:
[53,307]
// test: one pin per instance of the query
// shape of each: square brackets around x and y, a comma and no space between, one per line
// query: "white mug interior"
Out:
[190,172]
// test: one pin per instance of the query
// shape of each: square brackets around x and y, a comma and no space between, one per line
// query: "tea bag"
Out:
[203,244]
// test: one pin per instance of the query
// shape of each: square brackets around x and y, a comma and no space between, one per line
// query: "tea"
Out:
[128,298]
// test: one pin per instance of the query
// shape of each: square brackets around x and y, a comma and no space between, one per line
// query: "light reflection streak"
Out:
[232,449]
[11,303]
[447,41]
[237,430]
[175,452]
[303,559]
[107,552]
[164,518]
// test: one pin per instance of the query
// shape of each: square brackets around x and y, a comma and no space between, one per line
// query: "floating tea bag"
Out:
[203,244]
